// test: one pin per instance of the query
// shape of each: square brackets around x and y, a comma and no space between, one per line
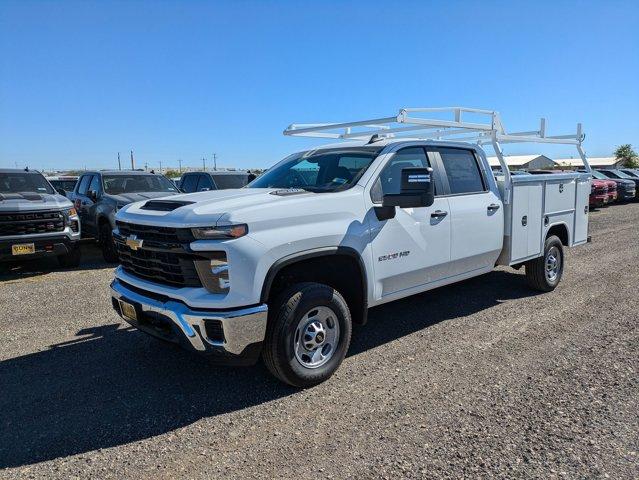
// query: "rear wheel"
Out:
[308,334]
[71,259]
[544,273]
[107,244]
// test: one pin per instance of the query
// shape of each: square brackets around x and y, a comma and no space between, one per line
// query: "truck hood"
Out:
[18,202]
[225,206]
[136,197]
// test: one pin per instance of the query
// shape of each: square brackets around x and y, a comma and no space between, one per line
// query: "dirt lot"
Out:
[484,378]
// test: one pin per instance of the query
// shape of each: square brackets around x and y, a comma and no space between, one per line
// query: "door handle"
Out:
[438,214]
[493,207]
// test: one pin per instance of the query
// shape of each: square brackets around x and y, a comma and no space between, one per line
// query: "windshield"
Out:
[225,181]
[597,175]
[631,173]
[621,174]
[117,184]
[327,170]
[23,182]
[66,185]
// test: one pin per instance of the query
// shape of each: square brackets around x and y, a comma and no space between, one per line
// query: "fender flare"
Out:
[278,265]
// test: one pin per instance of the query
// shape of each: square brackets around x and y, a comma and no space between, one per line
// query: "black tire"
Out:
[71,259]
[286,313]
[107,244]
[536,272]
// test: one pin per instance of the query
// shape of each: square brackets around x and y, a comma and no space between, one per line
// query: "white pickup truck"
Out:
[283,267]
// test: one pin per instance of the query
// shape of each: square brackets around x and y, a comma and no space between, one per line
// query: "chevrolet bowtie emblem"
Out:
[133,243]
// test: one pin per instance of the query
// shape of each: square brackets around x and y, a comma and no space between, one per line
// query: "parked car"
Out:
[286,265]
[633,172]
[35,221]
[626,185]
[216,180]
[599,195]
[98,195]
[63,184]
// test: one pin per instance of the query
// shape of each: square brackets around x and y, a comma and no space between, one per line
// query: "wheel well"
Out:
[561,231]
[342,271]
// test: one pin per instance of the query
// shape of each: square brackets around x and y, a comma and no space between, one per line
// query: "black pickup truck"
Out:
[100,194]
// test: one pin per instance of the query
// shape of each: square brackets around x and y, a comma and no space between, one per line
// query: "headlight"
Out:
[219,233]
[71,212]
[119,206]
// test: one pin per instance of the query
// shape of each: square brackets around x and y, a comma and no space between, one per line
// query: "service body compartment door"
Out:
[581,211]
[526,220]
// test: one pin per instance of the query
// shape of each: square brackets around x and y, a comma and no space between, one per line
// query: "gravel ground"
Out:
[481,379]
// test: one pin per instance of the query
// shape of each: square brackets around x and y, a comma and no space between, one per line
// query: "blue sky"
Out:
[82,81]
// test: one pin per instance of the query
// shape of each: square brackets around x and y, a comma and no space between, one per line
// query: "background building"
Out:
[595,162]
[523,162]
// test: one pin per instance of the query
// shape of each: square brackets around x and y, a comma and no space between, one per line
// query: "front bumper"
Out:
[229,336]
[45,246]
[598,199]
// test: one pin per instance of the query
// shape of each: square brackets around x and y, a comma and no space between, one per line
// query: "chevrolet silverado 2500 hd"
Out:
[35,221]
[283,267]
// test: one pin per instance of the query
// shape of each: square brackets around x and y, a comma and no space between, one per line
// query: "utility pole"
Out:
[215,161]
[119,164]
[160,166]
[180,163]
[204,164]
[146,166]
[132,162]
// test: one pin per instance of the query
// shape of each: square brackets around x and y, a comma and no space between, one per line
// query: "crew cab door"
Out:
[476,210]
[413,248]
[81,201]
[92,198]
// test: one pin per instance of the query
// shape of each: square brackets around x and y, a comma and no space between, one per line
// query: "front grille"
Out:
[601,189]
[165,237]
[28,223]
[169,268]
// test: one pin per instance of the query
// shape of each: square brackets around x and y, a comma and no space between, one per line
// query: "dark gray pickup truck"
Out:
[100,194]
[35,221]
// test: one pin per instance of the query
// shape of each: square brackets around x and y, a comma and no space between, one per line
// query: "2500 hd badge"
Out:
[393,256]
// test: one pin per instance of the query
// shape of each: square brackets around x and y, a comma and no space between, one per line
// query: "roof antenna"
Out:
[375,138]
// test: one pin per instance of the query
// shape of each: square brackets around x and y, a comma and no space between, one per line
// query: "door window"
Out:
[390,179]
[462,171]
[189,183]
[84,184]
[95,184]
[205,183]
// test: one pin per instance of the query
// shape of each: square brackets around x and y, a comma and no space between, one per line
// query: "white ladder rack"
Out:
[414,122]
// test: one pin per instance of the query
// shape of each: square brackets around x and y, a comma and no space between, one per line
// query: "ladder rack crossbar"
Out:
[409,120]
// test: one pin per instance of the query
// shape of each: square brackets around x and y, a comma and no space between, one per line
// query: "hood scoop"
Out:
[164,205]
[34,197]
[285,192]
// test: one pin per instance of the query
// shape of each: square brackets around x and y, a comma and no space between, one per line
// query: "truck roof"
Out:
[122,172]
[17,170]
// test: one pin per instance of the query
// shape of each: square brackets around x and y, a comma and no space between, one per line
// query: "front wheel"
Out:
[544,273]
[71,259]
[107,243]
[308,334]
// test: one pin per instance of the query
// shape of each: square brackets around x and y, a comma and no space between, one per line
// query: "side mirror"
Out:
[93,195]
[417,189]
[61,192]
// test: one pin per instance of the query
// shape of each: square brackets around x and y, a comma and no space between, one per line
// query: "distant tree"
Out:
[172,173]
[627,155]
